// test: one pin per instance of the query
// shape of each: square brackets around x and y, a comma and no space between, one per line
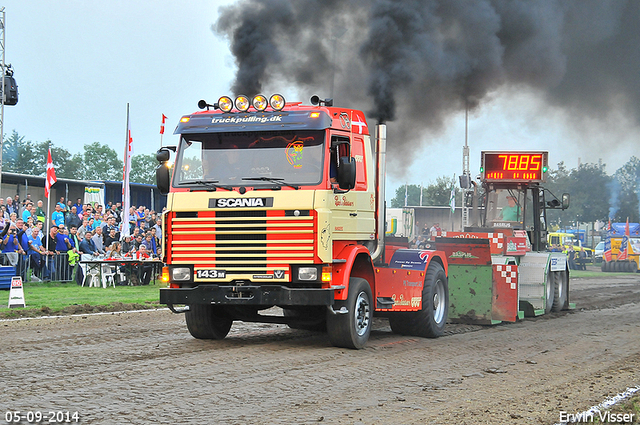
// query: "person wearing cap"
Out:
[512,211]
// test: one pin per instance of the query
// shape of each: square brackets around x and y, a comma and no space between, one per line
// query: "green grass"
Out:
[44,298]
[595,272]
[630,406]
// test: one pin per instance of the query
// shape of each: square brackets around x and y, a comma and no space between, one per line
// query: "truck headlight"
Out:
[308,273]
[181,273]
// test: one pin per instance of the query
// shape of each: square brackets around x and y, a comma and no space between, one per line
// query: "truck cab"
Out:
[282,204]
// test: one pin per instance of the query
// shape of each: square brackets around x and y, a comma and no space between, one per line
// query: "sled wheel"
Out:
[560,293]
[352,329]
[207,321]
[550,291]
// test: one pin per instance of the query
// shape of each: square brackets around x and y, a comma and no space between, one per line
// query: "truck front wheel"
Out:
[352,329]
[430,321]
[207,321]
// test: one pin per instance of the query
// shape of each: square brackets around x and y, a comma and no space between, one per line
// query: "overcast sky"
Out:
[78,64]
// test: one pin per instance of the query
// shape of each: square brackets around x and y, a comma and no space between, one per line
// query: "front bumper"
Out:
[247,295]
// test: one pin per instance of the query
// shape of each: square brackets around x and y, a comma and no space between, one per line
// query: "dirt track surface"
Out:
[146,368]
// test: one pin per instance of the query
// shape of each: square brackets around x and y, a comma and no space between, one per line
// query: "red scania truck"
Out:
[282,204]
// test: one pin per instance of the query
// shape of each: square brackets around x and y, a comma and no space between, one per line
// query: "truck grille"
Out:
[242,242]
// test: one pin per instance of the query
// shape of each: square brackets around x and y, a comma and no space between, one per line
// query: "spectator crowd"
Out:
[77,231]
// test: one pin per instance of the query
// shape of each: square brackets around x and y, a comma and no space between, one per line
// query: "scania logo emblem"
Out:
[344,120]
[240,202]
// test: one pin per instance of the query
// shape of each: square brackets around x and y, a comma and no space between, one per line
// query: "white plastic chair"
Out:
[91,273]
[108,275]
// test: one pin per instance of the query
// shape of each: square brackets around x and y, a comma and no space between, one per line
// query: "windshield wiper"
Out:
[212,184]
[273,180]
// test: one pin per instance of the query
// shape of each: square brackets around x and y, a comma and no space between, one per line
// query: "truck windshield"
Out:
[291,157]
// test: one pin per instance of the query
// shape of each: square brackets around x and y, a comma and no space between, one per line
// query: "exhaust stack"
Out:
[381,153]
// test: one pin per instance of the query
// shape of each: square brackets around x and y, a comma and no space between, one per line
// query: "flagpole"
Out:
[48,217]
[126,199]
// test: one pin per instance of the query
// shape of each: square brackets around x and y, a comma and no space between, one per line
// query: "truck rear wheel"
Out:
[430,321]
[352,329]
[560,291]
[207,321]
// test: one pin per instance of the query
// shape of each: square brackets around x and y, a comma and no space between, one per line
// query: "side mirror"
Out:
[163,178]
[565,201]
[162,155]
[347,173]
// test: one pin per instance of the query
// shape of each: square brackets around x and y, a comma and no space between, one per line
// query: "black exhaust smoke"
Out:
[415,62]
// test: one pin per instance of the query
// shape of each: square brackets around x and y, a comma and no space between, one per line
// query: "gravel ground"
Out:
[144,367]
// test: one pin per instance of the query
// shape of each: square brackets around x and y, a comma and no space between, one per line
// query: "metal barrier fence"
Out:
[32,267]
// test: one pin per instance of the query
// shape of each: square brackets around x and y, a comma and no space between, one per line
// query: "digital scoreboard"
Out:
[518,167]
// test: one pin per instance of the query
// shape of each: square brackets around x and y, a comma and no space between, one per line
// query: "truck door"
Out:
[353,210]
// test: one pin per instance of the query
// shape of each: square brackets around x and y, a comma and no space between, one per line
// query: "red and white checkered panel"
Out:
[509,273]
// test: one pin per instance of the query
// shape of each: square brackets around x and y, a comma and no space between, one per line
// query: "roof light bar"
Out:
[277,102]
[225,104]
[260,102]
[242,103]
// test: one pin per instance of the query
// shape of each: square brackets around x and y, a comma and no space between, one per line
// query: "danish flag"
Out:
[164,118]
[51,176]
[358,123]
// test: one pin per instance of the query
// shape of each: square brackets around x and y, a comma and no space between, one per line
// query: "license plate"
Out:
[211,274]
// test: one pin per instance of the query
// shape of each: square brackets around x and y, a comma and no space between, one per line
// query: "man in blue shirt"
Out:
[36,251]
[13,251]
[78,205]
[87,251]
[58,216]
[63,206]
[87,247]
[63,244]
[10,243]
[27,211]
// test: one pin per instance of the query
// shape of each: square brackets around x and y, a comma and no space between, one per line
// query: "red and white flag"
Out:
[51,176]
[164,118]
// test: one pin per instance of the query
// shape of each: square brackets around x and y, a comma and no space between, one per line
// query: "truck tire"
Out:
[550,291]
[430,321]
[207,321]
[560,292]
[352,329]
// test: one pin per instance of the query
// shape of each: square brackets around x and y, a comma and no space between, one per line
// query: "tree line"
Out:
[96,161]
[595,195]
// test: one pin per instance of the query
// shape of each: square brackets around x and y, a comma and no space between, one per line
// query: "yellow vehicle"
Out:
[630,264]
[563,241]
